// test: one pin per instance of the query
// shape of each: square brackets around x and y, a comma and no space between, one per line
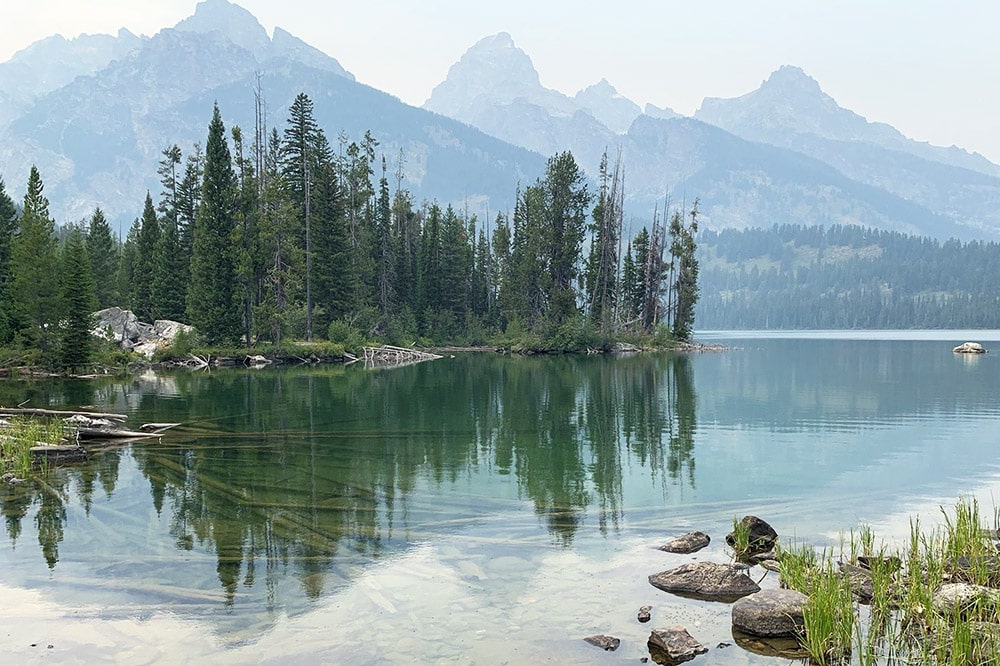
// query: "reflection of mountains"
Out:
[317,472]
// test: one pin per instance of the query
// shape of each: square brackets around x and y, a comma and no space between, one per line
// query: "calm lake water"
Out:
[476,509]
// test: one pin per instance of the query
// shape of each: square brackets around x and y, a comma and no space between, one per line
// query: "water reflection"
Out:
[310,475]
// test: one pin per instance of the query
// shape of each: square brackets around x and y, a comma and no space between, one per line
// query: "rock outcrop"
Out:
[124,327]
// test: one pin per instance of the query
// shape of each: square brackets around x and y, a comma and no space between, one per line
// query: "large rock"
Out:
[969,348]
[687,543]
[706,580]
[775,612]
[762,536]
[124,327]
[673,645]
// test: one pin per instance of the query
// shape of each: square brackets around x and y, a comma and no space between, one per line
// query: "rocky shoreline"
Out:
[938,602]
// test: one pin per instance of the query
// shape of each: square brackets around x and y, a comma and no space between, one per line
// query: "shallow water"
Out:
[477,509]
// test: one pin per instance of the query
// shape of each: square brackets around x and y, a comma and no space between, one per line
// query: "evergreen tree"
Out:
[8,227]
[103,253]
[126,267]
[78,303]
[211,300]
[188,200]
[35,268]
[686,285]
[142,286]
[566,203]
[384,247]
[168,289]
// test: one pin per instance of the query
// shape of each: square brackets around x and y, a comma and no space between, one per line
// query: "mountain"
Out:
[53,62]
[790,110]
[857,172]
[790,103]
[495,88]
[97,138]
[602,101]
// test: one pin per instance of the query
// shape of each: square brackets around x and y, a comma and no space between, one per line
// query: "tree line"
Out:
[846,276]
[284,235]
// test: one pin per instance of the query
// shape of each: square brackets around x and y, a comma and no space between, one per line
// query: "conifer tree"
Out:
[566,203]
[103,253]
[211,299]
[168,288]
[8,226]
[126,267]
[35,267]
[142,288]
[78,303]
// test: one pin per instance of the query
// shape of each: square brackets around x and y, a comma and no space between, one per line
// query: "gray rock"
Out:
[706,580]
[124,327]
[762,536]
[770,613]
[691,542]
[673,645]
[969,348]
[644,614]
[608,643]
[962,598]
[860,581]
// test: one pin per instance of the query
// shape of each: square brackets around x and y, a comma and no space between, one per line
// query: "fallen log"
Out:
[24,411]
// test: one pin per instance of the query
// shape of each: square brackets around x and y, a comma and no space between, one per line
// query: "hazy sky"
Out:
[931,69]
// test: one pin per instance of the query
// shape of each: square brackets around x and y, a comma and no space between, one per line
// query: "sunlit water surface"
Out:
[476,509]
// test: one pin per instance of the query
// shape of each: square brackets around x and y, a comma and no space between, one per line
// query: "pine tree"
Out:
[125,274]
[35,267]
[168,289]
[142,288]
[685,289]
[103,253]
[78,303]
[211,300]
[566,203]
[8,227]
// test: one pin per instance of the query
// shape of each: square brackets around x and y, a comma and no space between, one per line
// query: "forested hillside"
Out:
[792,276]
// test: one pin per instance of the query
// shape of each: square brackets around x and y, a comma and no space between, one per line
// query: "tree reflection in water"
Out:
[313,473]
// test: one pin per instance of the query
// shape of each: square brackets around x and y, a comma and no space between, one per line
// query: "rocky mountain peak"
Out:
[494,71]
[230,19]
[788,78]
[603,101]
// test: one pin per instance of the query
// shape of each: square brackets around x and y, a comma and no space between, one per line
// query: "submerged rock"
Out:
[691,542]
[761,539]
[969,348]
[608,643]
[673,645]
[644,614]
[706,580]
[771,613]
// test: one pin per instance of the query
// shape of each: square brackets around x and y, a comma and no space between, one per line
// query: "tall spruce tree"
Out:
[299,153]
[78,303]
[211,300]
[142,287]
[103,253]
[566,204]
[8,227]
[168,289]
[35,267]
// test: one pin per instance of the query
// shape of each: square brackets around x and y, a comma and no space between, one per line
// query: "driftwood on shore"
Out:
[392,357]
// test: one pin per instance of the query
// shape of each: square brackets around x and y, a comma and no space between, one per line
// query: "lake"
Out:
[478,508]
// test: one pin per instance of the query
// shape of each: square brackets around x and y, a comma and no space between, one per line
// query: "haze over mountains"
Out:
[94,113]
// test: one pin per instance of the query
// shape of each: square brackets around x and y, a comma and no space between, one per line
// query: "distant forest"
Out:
[853,277]
[285,235]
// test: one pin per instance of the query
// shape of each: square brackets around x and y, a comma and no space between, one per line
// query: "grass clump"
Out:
[17,438]
[882,607]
